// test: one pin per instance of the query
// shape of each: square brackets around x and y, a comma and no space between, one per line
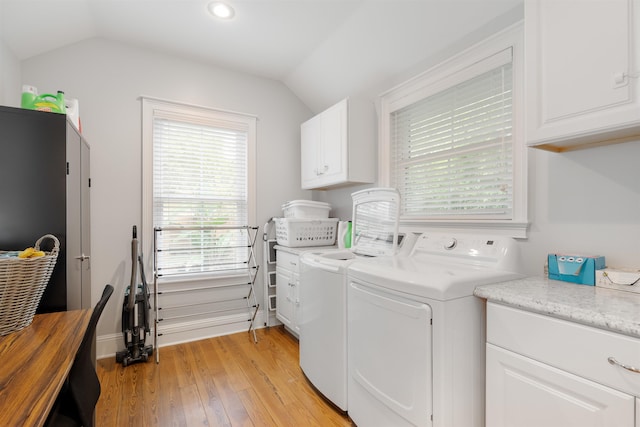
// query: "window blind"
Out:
[452,152]
[200,180]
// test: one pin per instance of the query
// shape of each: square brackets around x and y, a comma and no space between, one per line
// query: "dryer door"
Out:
[389,348]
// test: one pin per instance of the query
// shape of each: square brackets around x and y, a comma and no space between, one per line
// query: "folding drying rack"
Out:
[221,289]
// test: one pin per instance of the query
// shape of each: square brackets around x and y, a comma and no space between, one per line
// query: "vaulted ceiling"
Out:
[322,50]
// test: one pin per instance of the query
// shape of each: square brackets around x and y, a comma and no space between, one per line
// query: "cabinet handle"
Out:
[613,361]
[319,172]
[83,257]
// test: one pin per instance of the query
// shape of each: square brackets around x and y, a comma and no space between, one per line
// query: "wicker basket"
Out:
[22,283]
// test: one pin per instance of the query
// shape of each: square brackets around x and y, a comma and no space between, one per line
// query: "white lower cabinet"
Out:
[547,372]
[525,393]
[287,298]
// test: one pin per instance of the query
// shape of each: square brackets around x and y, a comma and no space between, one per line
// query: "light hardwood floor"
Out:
[223,381]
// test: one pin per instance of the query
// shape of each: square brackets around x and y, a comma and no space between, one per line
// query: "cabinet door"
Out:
[284,304]
[333,165]
[33,189]
[310,134]
[324,148]
[579,57]
[526,393]
[85,228]
[78,225]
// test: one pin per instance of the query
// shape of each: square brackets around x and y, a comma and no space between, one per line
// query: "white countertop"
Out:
[610,309]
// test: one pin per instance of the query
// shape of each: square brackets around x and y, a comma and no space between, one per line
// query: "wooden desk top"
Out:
[34,363]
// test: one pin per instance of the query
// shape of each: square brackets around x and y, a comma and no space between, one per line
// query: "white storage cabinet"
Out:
[287,293]
[582,72]
[543,371]
[338,146]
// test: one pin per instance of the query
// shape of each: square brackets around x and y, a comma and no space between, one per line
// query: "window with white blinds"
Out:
[451,152]
[450,138]
[201,179]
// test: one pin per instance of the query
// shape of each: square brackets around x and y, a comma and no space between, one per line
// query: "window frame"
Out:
[200,115]
[443,76]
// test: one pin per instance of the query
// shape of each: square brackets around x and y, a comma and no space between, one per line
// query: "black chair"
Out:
[77,400]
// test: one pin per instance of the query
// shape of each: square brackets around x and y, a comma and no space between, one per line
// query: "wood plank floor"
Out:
[223,381]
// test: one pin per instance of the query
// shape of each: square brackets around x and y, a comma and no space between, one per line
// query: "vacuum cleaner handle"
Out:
[133,287]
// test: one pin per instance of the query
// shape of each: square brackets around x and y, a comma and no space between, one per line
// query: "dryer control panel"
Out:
[498,252]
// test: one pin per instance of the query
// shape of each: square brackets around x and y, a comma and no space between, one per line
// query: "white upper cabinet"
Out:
[582,69]
[339,146]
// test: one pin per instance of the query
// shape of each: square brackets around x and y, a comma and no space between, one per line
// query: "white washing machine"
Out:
[323,291]
[416,332]
[323,322]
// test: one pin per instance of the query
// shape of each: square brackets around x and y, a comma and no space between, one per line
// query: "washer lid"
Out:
[375,221]
[433,279]
[327,259]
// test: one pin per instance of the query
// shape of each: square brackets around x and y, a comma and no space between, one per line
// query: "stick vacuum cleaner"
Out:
[135,313]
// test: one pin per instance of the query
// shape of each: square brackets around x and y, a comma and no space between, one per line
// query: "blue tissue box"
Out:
[575,268]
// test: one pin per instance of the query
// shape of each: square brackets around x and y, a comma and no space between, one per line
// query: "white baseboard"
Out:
[108,345]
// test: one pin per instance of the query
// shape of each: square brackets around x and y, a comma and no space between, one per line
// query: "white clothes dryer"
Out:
[323,291]
[416,332]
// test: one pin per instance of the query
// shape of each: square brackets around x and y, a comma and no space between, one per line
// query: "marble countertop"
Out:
[610,309]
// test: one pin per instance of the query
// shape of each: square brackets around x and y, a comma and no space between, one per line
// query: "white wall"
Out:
[10,87]
[584,202]
[492,19]
[360,54]
[107,78]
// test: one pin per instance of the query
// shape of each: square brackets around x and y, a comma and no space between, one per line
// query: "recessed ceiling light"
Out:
[221,10]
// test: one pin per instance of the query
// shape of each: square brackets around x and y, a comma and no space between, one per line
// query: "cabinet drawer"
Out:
[575,348]
[288,261]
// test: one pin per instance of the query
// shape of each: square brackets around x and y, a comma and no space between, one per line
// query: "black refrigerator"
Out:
[44,189]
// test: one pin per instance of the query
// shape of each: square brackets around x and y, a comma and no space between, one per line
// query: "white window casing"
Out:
[451,140]
[198,171]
